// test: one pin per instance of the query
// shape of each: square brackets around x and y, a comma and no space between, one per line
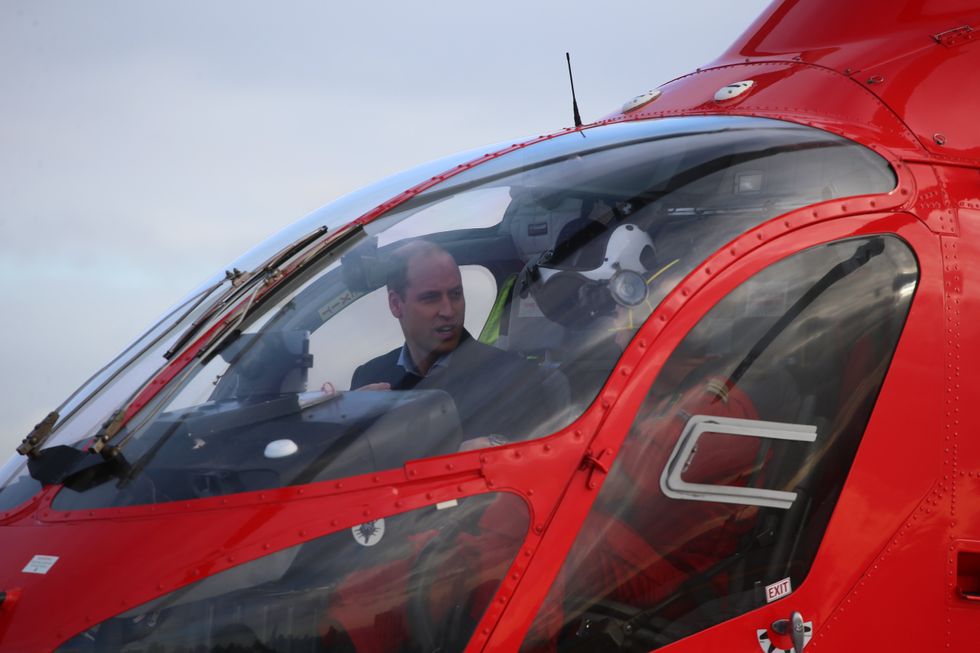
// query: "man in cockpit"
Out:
[498,395]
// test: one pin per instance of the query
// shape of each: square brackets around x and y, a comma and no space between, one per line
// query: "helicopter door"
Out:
[724,486]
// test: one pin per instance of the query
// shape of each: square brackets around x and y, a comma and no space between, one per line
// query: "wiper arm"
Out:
[60,463]
[75,467]
[234,276]
[240,282]
[38,436]
[111,428]
[271,275]
[226,328]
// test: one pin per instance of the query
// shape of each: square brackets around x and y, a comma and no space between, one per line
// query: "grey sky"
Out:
[146,145]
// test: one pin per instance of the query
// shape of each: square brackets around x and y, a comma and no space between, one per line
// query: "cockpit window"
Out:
[489,309]
[719,498]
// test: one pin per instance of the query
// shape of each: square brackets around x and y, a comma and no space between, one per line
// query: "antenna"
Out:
[578,118]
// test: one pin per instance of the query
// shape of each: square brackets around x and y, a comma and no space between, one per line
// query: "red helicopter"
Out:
[692,377]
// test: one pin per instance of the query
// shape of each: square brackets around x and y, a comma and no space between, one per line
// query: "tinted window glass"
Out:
[416,581]
[734,463]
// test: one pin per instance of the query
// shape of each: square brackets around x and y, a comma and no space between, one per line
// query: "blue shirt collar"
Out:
[405,362]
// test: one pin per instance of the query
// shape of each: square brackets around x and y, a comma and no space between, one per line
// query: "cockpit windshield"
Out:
[489,309]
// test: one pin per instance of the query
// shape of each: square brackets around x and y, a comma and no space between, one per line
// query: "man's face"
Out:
[432,310]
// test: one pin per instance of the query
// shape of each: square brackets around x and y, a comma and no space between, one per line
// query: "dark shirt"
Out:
[495,392]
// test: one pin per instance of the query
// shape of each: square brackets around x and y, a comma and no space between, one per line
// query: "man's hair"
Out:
[397,279]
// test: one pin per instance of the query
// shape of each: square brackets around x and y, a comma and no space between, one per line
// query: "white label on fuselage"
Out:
[778,590]
[40,564]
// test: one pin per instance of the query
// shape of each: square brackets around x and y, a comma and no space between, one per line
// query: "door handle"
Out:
[968,571]
[795,628]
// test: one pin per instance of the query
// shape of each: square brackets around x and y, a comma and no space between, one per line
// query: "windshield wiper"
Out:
[240,282]
[270,275]
[259,281]
[76,467]
[42,431]
[38,435]
[73,466]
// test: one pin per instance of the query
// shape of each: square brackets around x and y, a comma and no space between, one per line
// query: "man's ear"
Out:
[395,304]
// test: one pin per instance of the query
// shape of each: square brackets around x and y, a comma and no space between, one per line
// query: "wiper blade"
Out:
[240,281]
[234,276]
[225,328]
[227,331]
[82,468]
[271,275]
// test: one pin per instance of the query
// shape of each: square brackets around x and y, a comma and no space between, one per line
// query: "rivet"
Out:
[940,139]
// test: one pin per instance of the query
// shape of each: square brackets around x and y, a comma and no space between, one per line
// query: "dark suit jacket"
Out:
[495,392]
